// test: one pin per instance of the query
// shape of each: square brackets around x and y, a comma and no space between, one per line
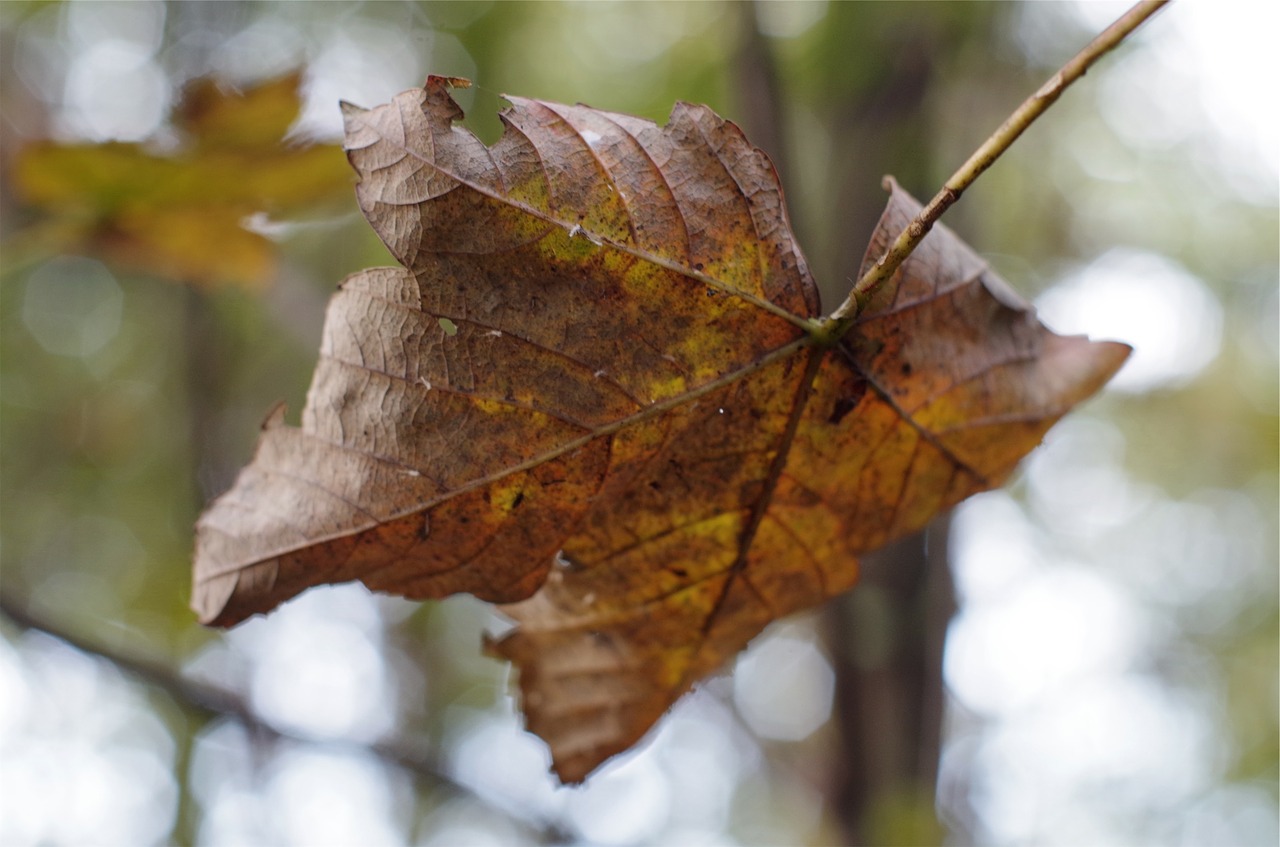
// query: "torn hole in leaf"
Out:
[450,328]
[564,563]
[497,627]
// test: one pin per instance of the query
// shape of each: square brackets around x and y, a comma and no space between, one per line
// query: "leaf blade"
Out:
[863,420]
[559,369]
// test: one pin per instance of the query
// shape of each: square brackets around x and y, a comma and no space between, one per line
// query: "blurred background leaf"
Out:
[190,213]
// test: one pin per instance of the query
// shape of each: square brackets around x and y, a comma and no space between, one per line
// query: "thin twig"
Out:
[213,701]
[833,328]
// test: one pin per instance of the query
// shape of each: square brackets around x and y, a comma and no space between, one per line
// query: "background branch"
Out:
[213,701]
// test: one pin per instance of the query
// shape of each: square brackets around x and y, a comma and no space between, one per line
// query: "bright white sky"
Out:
[1052,644]
[1223,52]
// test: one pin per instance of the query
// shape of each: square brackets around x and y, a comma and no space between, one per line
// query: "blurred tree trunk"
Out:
[886,643]
[885,638]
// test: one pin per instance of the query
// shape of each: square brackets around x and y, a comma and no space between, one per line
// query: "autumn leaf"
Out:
[598,386]
[180,214]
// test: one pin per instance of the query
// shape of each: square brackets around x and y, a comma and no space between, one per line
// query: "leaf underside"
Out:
[592,393]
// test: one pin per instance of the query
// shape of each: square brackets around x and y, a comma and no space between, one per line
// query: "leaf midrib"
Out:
[649,412]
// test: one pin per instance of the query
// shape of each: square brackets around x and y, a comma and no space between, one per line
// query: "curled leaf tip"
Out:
[434,81]
[275,417]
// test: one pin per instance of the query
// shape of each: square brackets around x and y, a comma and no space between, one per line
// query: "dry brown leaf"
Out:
[603,345]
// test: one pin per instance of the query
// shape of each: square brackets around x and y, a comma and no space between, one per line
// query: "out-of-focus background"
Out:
[1109,668]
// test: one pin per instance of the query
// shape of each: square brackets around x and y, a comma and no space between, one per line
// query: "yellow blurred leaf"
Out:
[257,118]
[180,214]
